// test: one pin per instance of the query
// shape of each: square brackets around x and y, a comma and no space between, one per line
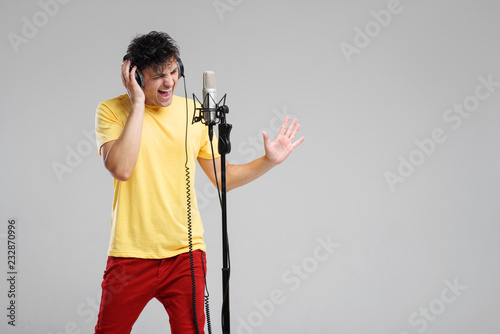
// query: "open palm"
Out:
[281,147]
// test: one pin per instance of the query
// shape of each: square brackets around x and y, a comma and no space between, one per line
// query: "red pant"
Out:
[129,284]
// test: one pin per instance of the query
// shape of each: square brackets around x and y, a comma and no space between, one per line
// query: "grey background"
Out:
[398,250]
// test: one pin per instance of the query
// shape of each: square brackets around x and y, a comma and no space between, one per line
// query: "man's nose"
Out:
[168,81]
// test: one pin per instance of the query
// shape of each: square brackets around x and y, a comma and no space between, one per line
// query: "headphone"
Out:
[139,77]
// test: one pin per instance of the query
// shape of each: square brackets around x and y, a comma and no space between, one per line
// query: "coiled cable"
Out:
[190,234]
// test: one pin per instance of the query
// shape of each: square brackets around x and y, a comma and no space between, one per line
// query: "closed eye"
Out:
[162,75]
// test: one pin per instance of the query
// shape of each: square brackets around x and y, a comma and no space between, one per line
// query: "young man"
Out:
[142,139]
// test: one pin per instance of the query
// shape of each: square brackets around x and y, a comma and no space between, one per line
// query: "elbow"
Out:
[121,176]
[229,188]
[230,185]
[119,165]
[120,173]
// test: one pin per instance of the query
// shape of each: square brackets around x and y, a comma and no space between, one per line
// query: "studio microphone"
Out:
[209,98]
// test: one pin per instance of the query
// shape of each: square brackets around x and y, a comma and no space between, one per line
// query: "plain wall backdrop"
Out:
[384,221]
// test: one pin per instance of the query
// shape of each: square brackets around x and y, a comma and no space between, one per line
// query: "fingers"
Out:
[298,142]
[295,130]
[289,131]
[126,73]
[284,126]
[292,131]
[123,75]
[265,136]
[134,91]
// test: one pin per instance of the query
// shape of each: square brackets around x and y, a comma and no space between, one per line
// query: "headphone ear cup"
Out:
[138,74]
[139,78]
[180,67]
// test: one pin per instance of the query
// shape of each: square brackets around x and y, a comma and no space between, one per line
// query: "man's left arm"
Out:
[276,152]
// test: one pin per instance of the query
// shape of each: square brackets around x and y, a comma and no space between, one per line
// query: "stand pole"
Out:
[225,257]
[224,148]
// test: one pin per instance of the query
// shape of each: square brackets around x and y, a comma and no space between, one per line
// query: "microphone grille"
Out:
[208,80]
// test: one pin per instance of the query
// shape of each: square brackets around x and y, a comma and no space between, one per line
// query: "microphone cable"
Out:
[190,231]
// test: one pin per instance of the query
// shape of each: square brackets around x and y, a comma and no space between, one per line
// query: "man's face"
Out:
[159,85]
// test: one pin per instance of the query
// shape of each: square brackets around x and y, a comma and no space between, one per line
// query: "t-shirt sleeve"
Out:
[108,125]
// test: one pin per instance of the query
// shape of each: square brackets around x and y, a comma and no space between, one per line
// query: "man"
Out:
[143,140]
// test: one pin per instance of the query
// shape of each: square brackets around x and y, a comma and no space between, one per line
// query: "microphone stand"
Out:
[224,146]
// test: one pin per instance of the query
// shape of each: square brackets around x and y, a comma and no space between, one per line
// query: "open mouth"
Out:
[165,93]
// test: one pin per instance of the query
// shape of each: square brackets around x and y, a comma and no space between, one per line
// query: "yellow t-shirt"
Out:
[149,213]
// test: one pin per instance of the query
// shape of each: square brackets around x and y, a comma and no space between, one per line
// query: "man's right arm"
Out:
[120,155]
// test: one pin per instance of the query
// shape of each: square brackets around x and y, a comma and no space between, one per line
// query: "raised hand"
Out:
[134,91]
[281,147]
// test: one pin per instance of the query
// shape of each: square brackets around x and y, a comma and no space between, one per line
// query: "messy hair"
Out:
[155,49]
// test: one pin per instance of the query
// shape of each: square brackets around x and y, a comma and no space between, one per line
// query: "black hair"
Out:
[155,49]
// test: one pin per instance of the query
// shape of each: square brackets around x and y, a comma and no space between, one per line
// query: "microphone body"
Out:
[209,98]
